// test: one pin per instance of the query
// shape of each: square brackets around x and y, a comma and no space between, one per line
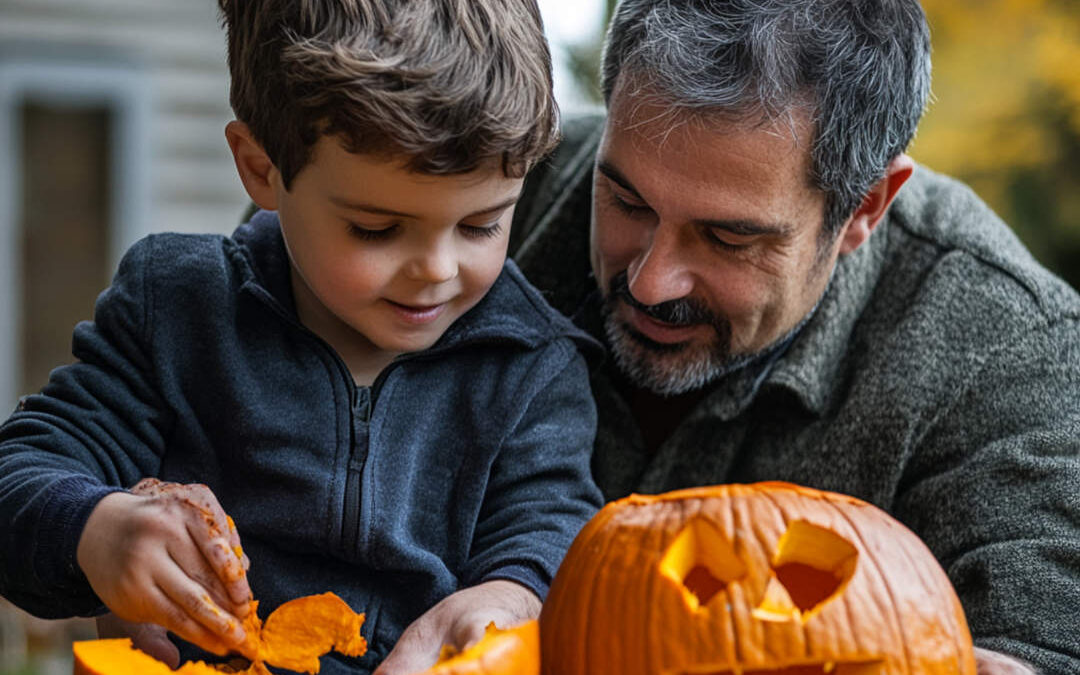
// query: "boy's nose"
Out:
[434,266]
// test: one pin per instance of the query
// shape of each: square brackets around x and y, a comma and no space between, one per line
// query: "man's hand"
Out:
[995,663]
[459,620]
[167,554]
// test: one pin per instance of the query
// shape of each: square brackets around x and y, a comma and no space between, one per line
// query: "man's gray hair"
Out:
[861,68]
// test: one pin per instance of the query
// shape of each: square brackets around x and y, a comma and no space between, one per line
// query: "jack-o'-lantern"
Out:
[747,580]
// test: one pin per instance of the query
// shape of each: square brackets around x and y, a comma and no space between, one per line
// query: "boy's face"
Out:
[384,259]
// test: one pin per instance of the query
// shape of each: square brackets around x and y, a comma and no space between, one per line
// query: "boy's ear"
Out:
[257,172]
[875,204]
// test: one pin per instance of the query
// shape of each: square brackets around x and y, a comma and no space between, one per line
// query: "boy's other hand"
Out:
[459,620]
[148,637]
[166,553]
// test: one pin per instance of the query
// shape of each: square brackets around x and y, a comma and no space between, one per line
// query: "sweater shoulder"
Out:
[552,180]
[969,251]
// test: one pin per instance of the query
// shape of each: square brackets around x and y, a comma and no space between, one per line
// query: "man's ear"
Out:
[257,172]
[875,204]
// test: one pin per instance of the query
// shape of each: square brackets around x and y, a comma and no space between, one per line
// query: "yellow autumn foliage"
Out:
[1006,114]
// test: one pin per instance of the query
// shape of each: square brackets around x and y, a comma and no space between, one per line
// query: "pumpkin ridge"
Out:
[882,577]
[947,618]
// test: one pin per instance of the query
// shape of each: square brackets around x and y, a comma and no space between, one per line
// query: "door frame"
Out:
[70,82]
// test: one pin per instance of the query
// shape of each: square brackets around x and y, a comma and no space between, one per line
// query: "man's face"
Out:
[705,242]
[384,260]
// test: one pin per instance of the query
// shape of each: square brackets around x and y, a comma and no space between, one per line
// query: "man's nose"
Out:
[659,273]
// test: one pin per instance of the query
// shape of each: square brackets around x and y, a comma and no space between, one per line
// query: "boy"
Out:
[360,380]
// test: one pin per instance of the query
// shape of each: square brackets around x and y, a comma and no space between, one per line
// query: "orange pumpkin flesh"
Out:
[741,579]
[298,632]
[513,651]
[294,636]
[102,657]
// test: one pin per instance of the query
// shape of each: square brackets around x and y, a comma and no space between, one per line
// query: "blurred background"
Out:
[111,127]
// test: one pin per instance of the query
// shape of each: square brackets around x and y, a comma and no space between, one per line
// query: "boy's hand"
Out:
[166,553]
[459,620]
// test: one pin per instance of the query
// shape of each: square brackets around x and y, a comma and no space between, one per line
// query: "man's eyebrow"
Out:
[746,227]
[738,226]
[381,211]
[615,176]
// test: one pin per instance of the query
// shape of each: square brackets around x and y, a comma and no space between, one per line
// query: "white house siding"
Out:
[179,46]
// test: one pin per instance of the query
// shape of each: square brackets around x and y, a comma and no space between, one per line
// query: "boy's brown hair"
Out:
[443,84]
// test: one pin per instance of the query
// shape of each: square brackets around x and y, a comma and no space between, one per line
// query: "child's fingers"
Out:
[172,617]
[215,535]
[190,608]
[227,570]
[195,558]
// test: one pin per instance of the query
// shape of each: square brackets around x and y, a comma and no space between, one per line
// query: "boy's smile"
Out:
[384,259]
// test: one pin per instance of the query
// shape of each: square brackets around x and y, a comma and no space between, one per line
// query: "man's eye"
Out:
[726,240]
[628,207]
[371,233]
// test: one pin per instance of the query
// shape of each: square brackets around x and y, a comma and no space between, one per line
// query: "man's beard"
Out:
[668,369]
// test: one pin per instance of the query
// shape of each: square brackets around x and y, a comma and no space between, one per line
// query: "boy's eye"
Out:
[481,231]
[371,233]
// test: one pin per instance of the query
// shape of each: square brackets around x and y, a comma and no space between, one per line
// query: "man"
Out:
[777,307]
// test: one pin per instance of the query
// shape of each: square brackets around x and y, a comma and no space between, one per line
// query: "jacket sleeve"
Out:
[95,428]
[540,491]
[995,492]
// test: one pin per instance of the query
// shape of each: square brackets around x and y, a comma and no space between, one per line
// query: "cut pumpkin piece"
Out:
[298,632]
[294,636]
[511,651]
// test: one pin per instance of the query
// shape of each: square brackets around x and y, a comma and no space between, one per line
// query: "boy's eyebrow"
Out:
[739,226]
[380,211]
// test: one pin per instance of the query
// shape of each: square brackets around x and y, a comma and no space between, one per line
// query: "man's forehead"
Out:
[693,145]
[652,122]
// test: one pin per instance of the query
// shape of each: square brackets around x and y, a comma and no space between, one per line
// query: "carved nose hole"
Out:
[701,562]
[811,566]
[807,586]
[701,582]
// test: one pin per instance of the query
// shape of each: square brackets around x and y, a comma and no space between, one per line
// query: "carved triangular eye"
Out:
[702,562]
[811,566]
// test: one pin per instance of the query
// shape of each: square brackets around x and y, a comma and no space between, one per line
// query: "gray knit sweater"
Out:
[939,379]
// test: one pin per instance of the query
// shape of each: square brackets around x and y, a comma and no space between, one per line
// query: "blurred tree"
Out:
[583,59]
[1006,114]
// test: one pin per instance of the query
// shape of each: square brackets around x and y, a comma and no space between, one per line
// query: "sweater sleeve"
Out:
[96,427]
[540,491]
[995,495]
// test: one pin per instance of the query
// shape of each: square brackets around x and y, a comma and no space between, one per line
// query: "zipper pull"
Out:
[362,406]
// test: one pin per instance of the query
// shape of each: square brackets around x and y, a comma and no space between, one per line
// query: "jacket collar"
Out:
[812,365]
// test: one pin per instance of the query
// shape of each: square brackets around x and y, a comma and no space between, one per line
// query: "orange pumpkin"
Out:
[513,651]
[294,636]
[741,579]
